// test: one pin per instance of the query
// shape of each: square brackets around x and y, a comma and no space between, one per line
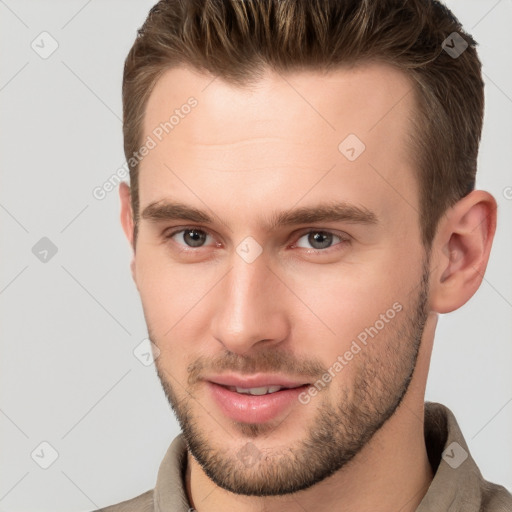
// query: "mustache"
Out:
[261,362]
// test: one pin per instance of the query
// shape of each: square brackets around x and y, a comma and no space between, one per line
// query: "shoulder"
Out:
[141,503]
[495,498]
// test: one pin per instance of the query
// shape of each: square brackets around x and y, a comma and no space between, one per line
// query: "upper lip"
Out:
[255,381]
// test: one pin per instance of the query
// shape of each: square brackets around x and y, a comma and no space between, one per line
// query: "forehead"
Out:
[280,136]
[356,98]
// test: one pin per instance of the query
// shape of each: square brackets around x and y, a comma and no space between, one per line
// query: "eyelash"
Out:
[344,239]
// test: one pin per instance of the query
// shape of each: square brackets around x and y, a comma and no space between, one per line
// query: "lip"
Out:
[245,408]
[255,381]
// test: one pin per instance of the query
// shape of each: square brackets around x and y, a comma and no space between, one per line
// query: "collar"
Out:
[457,483]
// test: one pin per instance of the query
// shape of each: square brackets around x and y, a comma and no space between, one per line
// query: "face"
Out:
[280,267]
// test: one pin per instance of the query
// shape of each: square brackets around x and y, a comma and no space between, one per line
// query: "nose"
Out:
[250,307]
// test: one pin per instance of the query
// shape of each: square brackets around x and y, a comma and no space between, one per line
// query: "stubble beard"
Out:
[336,434]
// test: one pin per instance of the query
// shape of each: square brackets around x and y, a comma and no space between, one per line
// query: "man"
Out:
[302,207]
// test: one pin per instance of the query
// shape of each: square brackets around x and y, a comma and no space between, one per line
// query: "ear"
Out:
[462,246]
[127,220]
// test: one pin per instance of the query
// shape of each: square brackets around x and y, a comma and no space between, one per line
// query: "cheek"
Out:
[346,301]
[166,288]
[176,306]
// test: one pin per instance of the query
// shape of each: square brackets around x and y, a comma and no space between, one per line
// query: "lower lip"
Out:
[252,408]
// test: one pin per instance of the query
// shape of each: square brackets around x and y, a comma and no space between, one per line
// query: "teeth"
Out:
[256,391]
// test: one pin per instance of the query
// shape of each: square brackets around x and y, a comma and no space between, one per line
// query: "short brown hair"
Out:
[238,39]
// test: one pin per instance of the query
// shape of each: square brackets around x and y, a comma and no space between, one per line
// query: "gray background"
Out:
[69,326]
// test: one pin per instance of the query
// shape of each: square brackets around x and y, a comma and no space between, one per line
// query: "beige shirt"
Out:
[458,484]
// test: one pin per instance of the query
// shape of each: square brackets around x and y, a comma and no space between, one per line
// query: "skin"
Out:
[240,155]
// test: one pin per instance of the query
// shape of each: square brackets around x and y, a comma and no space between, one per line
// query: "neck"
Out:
[392,472]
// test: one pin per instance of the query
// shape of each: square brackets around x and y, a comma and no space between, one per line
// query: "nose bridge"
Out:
[248,308]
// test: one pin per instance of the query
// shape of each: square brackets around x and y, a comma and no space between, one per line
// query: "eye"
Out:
[319,240]
[191,237]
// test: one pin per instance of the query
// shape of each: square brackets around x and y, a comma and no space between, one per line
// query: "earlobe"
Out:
[462,244]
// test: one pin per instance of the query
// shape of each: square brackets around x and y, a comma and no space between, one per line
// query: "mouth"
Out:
[263,390]
[255,400]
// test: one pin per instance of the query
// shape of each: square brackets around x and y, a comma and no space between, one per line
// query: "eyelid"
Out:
[304,231]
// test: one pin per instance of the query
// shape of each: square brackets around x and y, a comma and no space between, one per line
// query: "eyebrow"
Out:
[334,211]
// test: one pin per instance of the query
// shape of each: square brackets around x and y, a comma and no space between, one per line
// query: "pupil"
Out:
[194,237]
[320,239]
